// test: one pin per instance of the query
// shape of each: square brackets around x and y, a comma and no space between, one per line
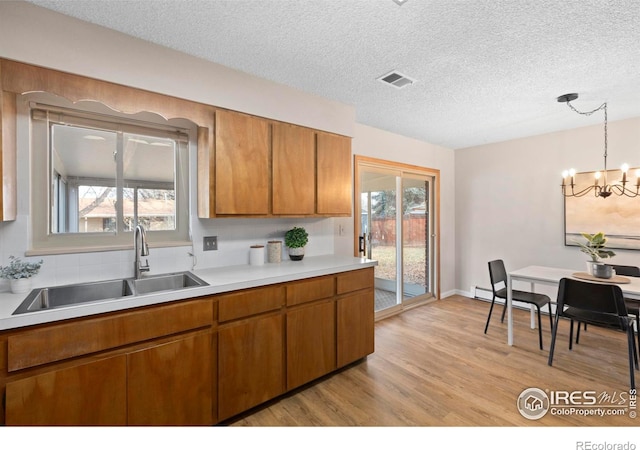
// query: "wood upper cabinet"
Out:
[250,364]
[293,168]
[241,164]
[268,168]
[87,394]
[8,184]
[171,383]
[333,171]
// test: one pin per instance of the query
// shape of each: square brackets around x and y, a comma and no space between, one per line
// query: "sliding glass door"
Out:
[396,228]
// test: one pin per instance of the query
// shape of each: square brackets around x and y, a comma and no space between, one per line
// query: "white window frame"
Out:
[41,109]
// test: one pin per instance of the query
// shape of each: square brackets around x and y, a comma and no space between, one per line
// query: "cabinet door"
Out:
[311,343]
[8,199]
[333,174]
[250,364]
[87,394]
[171,384]
[294,168]
[355,321]
[241,164]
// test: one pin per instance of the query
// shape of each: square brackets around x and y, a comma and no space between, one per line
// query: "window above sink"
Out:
[96,173]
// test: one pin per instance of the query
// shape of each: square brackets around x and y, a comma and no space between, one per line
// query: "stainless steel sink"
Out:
[61,296]
[47,298]
[166,282]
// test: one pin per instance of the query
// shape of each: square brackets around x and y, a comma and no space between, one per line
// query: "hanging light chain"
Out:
[588,113]
[605,190]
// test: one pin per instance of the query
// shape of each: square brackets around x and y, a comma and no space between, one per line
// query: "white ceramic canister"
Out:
[274,251]
[256,255]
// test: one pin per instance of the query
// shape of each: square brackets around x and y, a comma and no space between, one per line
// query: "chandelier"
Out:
[600,186]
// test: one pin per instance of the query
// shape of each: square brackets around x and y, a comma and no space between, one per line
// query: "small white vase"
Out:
[590,267]
[296,254]
[20,285]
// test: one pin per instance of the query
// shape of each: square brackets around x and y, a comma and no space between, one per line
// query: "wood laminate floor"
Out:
[433,366]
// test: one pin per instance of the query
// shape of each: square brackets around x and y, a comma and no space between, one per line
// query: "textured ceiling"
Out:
[486,70]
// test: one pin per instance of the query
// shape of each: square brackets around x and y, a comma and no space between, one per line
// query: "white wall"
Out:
[509,203]
[37,36]
[381,144]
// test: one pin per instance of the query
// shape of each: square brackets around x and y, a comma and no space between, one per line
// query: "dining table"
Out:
[551,276]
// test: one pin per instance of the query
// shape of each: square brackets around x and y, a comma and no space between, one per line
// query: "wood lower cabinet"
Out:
[171,383]
[191,362]
[94,393]
[355,316]
[151,365]
[250,364]
[167,384]
[311,343]
[355,327]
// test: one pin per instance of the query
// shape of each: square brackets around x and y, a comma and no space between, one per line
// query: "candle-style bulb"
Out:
[624,168]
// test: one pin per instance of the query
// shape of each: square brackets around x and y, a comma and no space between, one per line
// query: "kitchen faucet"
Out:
[141,249]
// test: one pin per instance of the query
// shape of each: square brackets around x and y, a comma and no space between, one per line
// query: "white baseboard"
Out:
[450,293]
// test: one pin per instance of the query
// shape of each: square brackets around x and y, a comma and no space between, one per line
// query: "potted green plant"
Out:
[295,239]
[19,273]
[595,248]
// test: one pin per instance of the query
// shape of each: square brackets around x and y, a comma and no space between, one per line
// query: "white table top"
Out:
[553,275]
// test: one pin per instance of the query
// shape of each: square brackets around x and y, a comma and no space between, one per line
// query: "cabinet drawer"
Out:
[307,291]
[57,342]
[354,281]
[249,303]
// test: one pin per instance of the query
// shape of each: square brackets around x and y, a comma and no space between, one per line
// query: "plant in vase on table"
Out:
[595,248]
[296,238]
[19,273]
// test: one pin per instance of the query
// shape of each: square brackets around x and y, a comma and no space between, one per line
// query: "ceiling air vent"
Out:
[396,79]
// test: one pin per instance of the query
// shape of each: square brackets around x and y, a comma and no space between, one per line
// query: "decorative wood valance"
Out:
[20,78]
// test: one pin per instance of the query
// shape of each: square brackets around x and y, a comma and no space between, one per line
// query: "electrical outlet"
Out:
[210,243]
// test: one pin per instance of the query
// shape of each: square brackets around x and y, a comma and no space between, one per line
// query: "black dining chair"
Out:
[498,276]
[595,304]
[633,305]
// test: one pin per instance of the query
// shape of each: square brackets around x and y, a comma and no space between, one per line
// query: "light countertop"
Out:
[220,279]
